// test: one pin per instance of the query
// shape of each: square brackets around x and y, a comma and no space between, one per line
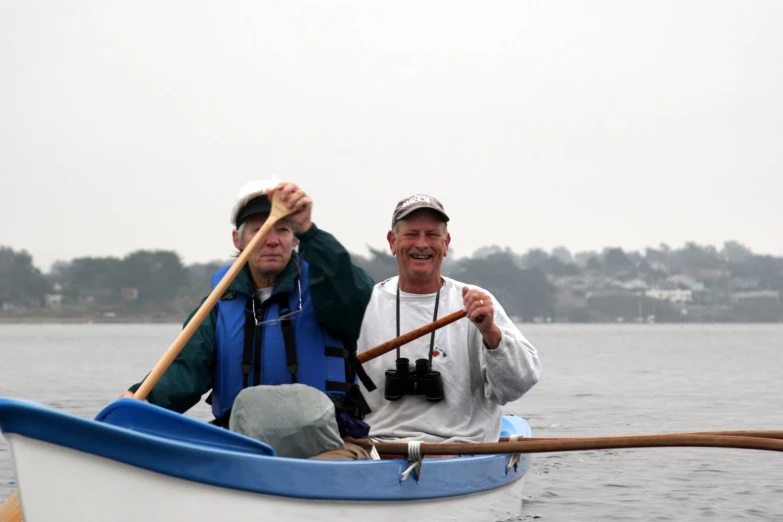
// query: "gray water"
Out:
[598,380]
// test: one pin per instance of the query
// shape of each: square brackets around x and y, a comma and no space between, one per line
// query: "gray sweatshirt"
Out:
[477,381]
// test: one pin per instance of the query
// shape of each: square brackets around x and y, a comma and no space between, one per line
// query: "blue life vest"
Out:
[320,359]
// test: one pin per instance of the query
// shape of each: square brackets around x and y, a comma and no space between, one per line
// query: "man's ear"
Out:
[235,237]
[448,240]
[390,238]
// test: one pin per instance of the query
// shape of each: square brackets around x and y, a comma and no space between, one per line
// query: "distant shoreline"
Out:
[174,319]
[94,320]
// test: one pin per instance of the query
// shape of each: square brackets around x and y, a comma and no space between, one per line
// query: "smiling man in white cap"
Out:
[449,386]
[289,319]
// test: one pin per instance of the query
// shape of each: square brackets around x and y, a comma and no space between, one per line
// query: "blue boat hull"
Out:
[135,435]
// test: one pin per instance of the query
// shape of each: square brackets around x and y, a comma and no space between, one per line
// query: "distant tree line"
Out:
[536,285]
[20,281]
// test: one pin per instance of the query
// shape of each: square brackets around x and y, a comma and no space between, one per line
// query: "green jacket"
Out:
[339,290]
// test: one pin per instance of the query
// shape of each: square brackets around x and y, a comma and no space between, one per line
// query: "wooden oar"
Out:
[587,443]
[762,434]
[10,511]
[388,346]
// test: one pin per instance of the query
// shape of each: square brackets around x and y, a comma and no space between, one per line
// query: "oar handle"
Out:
[388,346]
[279,210]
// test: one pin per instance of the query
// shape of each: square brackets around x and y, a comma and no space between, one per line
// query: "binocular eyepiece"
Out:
[422,381]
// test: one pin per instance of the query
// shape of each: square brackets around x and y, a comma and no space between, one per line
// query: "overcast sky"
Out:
[131,125]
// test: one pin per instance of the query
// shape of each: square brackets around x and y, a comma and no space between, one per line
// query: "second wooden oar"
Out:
[388,346]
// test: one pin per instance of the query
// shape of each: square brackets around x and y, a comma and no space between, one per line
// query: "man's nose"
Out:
[421,241]
[272,239]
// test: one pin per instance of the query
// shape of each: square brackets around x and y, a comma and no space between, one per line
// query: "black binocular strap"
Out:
[434,318]
[353,366]
[353,397]
[250,337]
[254,334]
[288,335]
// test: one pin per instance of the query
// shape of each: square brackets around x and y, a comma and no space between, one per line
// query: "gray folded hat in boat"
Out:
[294,419]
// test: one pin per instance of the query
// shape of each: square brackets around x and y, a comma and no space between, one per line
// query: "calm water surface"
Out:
[598,380]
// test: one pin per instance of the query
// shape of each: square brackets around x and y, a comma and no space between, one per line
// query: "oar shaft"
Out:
[583,444]
[764,434]
[388,346]
[10,511]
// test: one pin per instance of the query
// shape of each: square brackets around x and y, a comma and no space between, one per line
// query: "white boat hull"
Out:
[59,483]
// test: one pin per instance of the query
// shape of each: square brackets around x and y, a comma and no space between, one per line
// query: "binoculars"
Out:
[422,381]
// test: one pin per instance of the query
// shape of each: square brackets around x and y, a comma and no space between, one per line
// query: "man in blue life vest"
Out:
[288,317]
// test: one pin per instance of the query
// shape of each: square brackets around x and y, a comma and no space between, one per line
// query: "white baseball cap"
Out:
[251,199]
